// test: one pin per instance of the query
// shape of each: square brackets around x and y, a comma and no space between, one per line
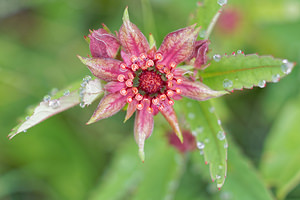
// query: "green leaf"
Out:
[205,16]
[280,164]
[244,71]
[129,178]
[243,180]
[211,140]
[81,92]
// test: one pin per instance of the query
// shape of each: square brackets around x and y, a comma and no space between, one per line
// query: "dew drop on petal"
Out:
[262,84]
[67,93]
[275,78]
[200,145]
[47,98]
[222,2]
[221,135]
[227,83]
[54,103]
[286,66]
[217,57]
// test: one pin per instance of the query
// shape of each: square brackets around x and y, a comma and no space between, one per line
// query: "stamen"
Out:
[130,75]
[129,99]
[134,67]
[170,84]
[169,76]
[123,92]
[166,70]
[163,97]
[123,66]
[173,65]
[158,56]
[161,107]
[121,78]
[155,101]
[135,90]
[138,97]
[178,90]
[144,67]
[129,83]
[133,58]
[140,106]
[143,56]
[159,66]
[150,63]
[170,93]
[171,102]
[179,81]
[150,110]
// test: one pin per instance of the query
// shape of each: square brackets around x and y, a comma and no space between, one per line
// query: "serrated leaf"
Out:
[211,140]
[235,72]
[129,178]
[205,16]
[85,92]
[280,164]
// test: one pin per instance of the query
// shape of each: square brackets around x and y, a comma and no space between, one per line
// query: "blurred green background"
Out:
[62,158]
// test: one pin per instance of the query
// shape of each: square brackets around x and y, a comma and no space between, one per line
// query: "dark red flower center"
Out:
[150,82]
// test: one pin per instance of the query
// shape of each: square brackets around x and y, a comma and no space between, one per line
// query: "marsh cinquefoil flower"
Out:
[146,78]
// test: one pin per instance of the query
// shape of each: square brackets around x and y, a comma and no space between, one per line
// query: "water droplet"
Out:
[227,83]
[220,167]
[221,135]
[239,51]
[226,145]
[219,122]
[191,115]
[87,78]
[206,140]
[83,84]
[286,66]
[202,33]
[222,2]
[25,130]
[262,84]
[67,93]
[47,98]
[201,152]
[200,145]
[82,104]
[217,57]
[218,177]
[275,78]
[211,109]
[27,118]
[54,103]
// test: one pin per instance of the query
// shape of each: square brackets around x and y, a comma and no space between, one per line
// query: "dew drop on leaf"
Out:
[206,140]
[222,2]
[286,66]
[239,51]
[47,98]
[200,145]
[191,115]
[275,78]
[82,104]
[262,84]
[54,103]
[217,57]
[66,93]
[221,135]
[227,83]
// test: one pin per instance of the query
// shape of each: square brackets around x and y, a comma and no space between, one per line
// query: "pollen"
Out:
[150,82]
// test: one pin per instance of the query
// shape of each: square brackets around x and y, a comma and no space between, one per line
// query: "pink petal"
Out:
[198,91]
[130,109]
[131,38]
[113,86]
[201,48]
[108,106]
[169,113]
[103,44]
[143,127]
[106,69]
[179,45]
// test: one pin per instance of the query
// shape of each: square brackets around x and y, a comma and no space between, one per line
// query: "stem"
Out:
[212,23]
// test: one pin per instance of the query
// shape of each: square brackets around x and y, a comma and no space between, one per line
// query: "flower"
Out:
[146,78]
